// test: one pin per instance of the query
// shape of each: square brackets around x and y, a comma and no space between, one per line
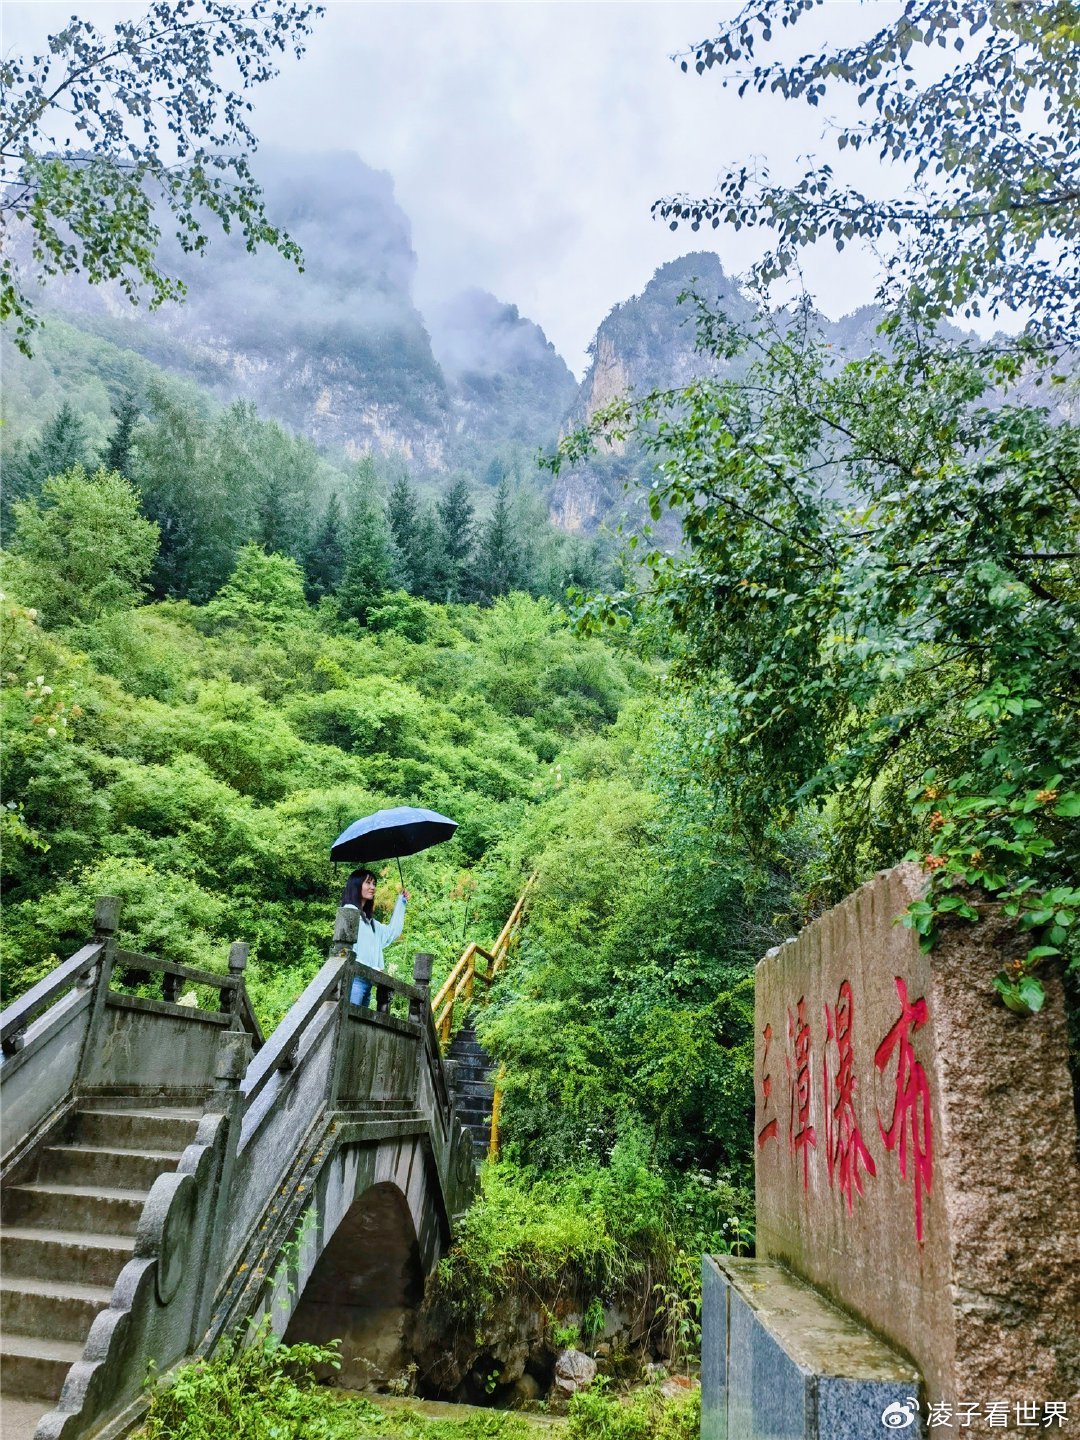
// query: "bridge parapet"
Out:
[338,1100]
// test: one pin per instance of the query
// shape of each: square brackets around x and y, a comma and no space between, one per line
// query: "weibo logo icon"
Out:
[899,1416]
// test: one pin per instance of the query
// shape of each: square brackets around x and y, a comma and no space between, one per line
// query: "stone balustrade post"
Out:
[233,997]
[422,978]
[106,923]
[346,927]
[226,1099]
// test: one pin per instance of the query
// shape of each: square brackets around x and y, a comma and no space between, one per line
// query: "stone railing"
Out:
[332,1075]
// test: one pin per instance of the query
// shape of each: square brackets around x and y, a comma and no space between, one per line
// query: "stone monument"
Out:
[917,1183]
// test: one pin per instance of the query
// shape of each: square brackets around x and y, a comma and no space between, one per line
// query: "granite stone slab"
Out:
[779,1362]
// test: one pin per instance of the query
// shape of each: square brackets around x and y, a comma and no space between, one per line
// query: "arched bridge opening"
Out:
[364,1288]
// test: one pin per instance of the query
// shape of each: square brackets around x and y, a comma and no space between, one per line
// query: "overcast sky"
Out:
[527,142]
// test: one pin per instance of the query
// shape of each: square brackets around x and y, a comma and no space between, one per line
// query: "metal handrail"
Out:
[459,984]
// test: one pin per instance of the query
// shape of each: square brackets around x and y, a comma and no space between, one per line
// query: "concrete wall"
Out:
[379,1059]
[150,1044]
[274,1128]
[38,1078]
[916,1145]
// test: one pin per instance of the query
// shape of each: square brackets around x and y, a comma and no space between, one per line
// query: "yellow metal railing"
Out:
[460,984]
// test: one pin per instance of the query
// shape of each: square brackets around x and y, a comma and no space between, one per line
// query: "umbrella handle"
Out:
[400,876]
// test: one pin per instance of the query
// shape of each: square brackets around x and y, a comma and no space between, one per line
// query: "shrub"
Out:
[595,1414]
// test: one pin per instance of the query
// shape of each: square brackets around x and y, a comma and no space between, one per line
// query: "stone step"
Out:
[468,1049]
[465,1070]
[465,1035]
[154,1130]
[64,1255]
[102,1165]
[62,1311]
[31,1366]
[52,1207]
[474,1089]
[19,1418]
[470,1109]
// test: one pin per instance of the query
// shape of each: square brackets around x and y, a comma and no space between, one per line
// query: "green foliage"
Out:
[263,589]
[63,444]
[257,1391]
[879,604]
[596,1414]
[620,1232]
[629,1008]
[369,559]
[199,761]
[985,209]
[458,523]
[88,209]
[402,513]
[325,561]
[118,448]
[499,562]
[266,1390]
[82,546]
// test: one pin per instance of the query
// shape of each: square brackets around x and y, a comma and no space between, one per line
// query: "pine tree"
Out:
[495,473]
[369,561]
[499,568]
[402,511]
[458,534]
[432,572]
[118,447]
[63,444]
[324,564]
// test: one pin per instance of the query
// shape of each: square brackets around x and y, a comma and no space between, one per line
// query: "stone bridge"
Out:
[168,1175]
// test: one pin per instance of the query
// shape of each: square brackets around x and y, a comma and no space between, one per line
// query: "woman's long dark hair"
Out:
[351,894]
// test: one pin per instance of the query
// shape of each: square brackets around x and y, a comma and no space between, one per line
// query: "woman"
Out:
[372,936]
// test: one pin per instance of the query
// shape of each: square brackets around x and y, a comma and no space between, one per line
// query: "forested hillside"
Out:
[337,351]
[197,759]
[214,478]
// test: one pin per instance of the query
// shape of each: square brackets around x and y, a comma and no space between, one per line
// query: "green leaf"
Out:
[1032,993]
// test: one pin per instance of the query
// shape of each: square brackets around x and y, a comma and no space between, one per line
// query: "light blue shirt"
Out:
[373,936]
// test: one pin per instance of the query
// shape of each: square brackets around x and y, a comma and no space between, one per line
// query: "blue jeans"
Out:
[360,993]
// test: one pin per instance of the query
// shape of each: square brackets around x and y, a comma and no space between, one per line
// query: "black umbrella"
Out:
[390,833]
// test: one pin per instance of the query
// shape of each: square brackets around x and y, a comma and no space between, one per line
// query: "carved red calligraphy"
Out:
[803,1135]
[845,1149]
[910,1124]
[770,1130]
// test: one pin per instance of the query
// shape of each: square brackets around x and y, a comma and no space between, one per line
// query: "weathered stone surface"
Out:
[779,1363]
[916,1145]
[574,1371]
[676,1387]
[525,1390]
[364,1284]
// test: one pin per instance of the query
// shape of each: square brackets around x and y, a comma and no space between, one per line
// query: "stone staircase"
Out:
[67,1232]
[470,1081]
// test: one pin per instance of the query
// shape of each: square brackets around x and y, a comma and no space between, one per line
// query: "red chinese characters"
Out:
[803,1135]
[845,1149]
[770,1130]
[910,1124]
